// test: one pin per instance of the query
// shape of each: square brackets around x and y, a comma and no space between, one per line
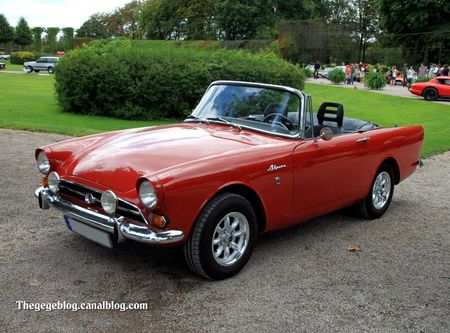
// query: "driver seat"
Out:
[330,112]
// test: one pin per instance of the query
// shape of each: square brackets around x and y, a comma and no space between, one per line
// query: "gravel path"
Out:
[299,280]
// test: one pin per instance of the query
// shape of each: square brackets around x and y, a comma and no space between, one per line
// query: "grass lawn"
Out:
[389,111]
[11,67]
[27,102]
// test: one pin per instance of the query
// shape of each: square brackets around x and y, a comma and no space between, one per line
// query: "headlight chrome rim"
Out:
[43,163]
[147,194]
[109,202]
[53,182]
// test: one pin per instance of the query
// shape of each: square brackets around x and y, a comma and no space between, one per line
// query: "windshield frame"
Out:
[301,96]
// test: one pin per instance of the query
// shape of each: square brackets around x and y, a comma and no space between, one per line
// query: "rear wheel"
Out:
[29,69]
[51,70]
[223,237]
[375,204]
[430,94]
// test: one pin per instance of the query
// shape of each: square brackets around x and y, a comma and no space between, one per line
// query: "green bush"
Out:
[422,79]
[336,76]
[18,58]
[308,73]
[375,81]
[155,79]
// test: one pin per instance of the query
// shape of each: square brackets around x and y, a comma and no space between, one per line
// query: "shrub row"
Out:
[152,80]
[18,58]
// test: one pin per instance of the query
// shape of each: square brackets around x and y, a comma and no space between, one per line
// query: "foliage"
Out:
[94,27]
[68,34]
[336,76]
[37,38]
[375,81]
[51,38]
[308,73]
[419,27]
[153,80]
[422,79]
[6,31]
[18,58]
[23,35]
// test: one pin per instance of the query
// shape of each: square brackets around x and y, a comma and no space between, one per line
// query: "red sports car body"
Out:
[437,87]
[250,159]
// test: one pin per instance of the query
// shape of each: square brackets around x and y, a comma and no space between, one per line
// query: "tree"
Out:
[420,27]
[23,35]
[161,19]
[51,38]
[68,33]
[199,19]
[366,24]
[294,9]
[6,31]
[94,27]
[37,38]
[239,19]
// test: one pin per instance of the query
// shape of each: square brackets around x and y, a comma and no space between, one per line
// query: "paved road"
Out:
[299,280]
[387,90]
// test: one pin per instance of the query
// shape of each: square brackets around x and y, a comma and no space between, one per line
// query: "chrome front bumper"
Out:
[117,226]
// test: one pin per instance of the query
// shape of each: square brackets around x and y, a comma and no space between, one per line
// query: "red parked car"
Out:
[437,87]
[250,159]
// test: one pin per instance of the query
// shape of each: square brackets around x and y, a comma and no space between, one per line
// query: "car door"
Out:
[444,87]
[41,63]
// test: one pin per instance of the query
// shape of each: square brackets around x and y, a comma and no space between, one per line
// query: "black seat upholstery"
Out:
[330,112]
[276,108]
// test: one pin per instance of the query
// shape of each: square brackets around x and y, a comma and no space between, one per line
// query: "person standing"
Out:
[393,75]
[316,69]
[423,70]
[404,73]
[445,70]
[411,74]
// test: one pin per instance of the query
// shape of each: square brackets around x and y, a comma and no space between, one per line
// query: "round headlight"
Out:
[43,163]
[109,202]
[147,194]
[53,182]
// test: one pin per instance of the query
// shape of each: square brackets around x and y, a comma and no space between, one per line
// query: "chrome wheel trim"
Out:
[230,239]
[381,190]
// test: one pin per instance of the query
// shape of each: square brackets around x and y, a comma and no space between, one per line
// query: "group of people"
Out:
[408,74]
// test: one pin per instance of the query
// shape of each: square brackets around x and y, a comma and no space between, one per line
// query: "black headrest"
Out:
[330,111]
[276,108]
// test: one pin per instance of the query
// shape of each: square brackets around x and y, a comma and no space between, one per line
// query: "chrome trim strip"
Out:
[124,229]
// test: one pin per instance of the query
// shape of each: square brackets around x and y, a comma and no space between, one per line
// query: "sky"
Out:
[55,13]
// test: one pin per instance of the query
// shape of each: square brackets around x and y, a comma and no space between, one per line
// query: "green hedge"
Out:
[18,58]
[156,79]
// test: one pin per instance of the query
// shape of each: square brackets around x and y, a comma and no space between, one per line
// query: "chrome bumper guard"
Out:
[114,225]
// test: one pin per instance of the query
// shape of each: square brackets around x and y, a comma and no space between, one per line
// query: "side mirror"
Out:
[326,134]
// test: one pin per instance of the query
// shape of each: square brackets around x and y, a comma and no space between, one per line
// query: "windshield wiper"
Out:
[223,120]
[194,118]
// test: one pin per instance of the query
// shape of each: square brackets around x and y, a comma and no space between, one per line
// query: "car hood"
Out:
[119,159]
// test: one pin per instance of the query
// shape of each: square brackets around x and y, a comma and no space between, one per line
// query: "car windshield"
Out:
[254,107]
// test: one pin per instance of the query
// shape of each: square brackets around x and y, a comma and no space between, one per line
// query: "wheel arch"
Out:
[252,197]
[392,162]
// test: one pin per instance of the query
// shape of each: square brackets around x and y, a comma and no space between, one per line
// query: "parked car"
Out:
[5,56]
[43,63]
[398,79]
[2,65]
[437,87]
[251,158]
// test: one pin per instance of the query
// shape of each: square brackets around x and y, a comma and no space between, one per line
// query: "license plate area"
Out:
[93,234]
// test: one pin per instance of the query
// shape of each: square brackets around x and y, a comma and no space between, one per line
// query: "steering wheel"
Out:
[279,119]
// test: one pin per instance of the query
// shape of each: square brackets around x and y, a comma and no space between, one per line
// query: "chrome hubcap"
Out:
[381,190]
[230,238]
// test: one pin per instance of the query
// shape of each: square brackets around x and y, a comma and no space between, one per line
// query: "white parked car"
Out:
[4,56]
[42,64]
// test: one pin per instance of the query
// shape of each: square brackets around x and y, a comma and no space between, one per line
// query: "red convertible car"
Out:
[437,87]
[250,159]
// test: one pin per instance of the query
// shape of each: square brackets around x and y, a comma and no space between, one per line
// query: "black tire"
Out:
[370,207]
[29,69]
[51,70]
[199,250]
[430,94]
[36,70]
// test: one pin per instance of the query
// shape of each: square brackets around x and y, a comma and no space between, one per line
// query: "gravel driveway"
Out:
[302,279]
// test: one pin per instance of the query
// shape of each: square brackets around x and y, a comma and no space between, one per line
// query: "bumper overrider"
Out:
[119,227]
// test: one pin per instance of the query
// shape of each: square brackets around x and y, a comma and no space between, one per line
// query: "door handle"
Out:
[365,139]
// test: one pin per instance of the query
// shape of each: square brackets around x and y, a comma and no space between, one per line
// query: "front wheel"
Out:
[430,94]
[223,237]
[375,204]
[51,70]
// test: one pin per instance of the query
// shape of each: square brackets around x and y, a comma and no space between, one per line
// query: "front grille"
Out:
[73,190]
